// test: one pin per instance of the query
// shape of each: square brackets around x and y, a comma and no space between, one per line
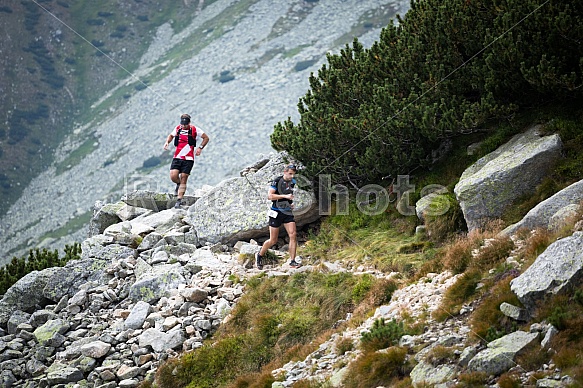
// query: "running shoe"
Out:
[258,261]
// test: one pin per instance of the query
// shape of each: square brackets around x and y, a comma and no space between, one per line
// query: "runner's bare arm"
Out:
[168,140]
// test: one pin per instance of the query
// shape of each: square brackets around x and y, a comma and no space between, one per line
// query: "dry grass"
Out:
[472,380]
[457,255]
[344,345]
[432,265]
[509,380]
[305,384]
[534,245]
[493,253]
[460,292]
[487,321]
[254,380]
[440,355]
[374,369]
[380,293]
[532,357]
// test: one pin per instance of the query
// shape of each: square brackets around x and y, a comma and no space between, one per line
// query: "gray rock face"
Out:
[160,341]
[137,316]
[540,215]
[559,219]
[51,330]
[104,215]
[16,319]
[161,222]
[23,295]
[65,281]
[237,208]
[96,349]
[500,354]
[195,294]
[102,247]
[488,187]
[150,287]
[63,375]
[425,373]
[149,241]
[514,312]
[559,266]
[432,204]
[155,201]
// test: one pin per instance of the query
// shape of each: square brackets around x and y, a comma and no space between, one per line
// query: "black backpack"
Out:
[191,139]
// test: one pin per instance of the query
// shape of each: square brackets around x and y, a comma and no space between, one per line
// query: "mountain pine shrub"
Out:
[383,334]
[445,70]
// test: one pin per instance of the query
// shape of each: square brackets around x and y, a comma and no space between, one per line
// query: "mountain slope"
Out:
[238,67]
[58,57]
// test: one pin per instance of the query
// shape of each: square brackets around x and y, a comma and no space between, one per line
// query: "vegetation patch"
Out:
[487,321]
[440,355]
[472,380]
[374,369]
[373,240]
[462,291]
[270,324]
[444,225]
[565,312]
[382,335]
[495,251]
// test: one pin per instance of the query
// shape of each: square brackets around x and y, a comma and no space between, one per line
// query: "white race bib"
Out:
[272,213]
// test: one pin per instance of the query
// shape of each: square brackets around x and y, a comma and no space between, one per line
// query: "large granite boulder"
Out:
[155,201]
[161,222]
[557,268]
[491,185]
[500,354]
[160,341]
[104,215]
[425,374]
[24,295]
[541,216]
[237,208]
[40,288]
[65,281]
[153,285]
[102,247]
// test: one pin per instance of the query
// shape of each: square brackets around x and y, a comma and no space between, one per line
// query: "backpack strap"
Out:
[177,137]
[191,139]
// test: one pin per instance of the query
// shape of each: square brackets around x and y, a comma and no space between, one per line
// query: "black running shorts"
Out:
[282,218]
[183,166]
